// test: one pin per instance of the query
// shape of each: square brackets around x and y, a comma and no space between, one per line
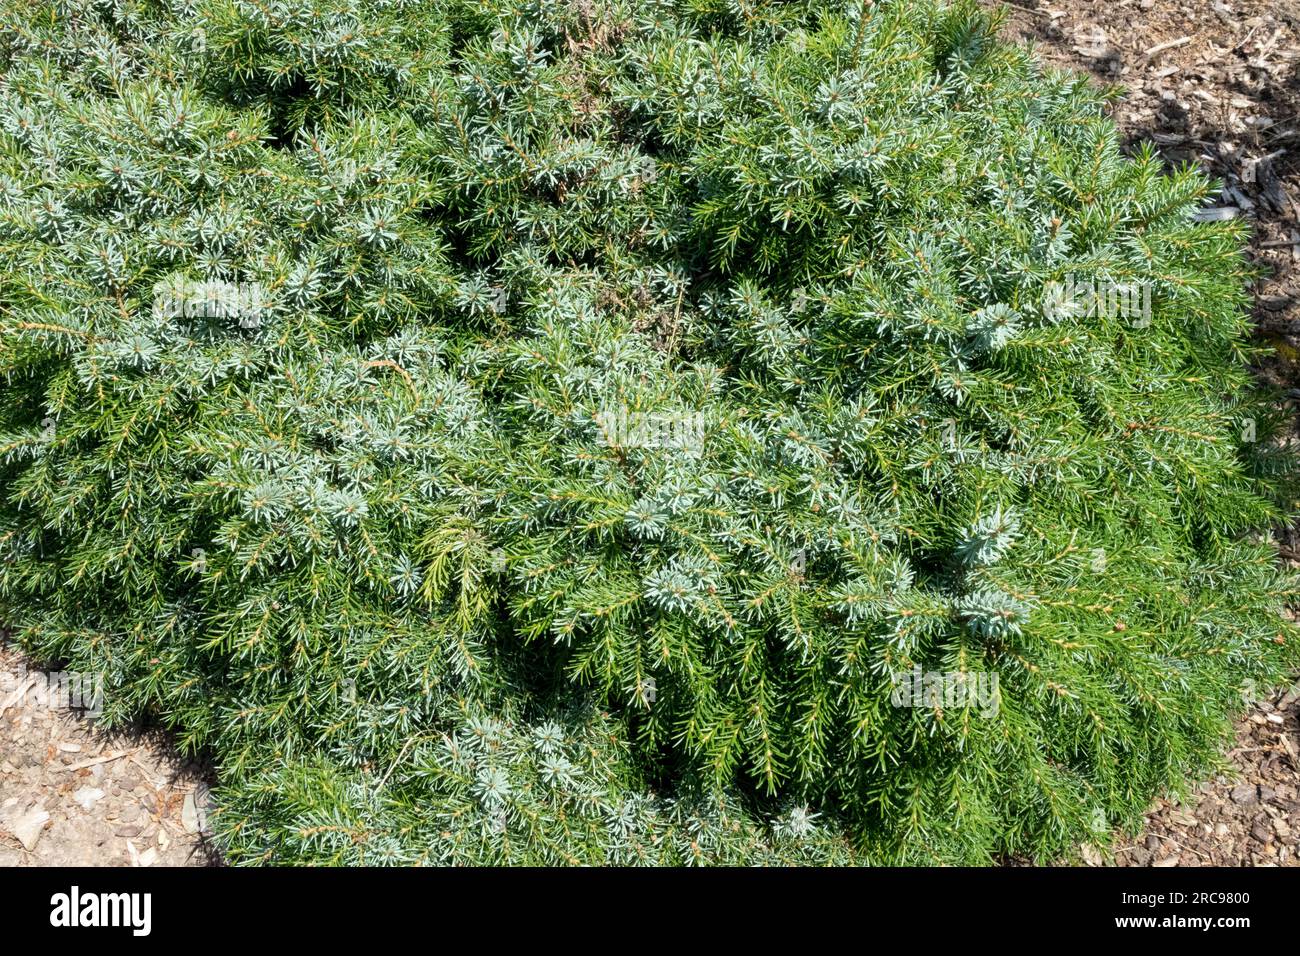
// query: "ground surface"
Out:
[1249,818]
[1211,82]
[74,795]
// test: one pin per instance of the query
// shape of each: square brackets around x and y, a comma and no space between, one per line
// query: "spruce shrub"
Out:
[625,431]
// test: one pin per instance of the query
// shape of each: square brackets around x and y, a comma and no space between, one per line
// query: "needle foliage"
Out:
[505,431]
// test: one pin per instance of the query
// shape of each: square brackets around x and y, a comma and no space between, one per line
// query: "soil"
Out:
[1210,82]
[1251,818]
[73,794]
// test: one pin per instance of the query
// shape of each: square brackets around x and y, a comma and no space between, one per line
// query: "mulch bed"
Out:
[1249,818]
[73,794]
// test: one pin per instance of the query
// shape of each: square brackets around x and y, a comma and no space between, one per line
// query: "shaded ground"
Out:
[1250,819]
[72,794]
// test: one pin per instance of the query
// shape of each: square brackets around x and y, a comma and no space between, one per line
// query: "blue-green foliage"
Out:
[505,431]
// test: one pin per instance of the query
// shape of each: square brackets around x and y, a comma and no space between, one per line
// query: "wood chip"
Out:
[1217,214]
[98,760]
[18,694]
[28,828]
[190,814]
[1168,45]
[1290,749]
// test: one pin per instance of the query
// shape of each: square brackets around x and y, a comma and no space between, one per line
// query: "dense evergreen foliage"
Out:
[507,431]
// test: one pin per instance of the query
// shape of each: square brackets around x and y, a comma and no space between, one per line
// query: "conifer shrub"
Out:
[625,431]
